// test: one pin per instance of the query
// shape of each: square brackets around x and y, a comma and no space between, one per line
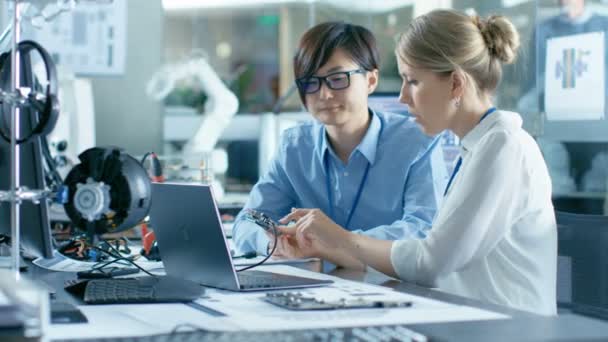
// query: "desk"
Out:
[522,327]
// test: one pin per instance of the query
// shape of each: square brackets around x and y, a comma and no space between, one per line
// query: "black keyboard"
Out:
[136,290]
[263,280]
[379,333]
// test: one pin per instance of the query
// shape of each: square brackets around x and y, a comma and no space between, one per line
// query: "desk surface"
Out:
[522,327]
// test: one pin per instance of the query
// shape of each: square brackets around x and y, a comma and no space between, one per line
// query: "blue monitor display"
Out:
[387,103]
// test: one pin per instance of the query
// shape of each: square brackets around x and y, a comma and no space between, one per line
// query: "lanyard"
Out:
[359,191]
[459,162]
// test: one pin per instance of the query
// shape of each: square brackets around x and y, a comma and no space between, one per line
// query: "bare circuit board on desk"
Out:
[298,301]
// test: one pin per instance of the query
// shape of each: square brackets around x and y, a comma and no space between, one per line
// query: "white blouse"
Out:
[495,237]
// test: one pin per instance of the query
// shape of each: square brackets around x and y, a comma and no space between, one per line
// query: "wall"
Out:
[125,116]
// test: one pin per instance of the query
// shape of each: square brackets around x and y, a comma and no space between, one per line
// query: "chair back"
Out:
[582,269]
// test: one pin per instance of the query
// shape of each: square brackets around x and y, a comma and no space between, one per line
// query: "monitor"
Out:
[34,218]
[387,103]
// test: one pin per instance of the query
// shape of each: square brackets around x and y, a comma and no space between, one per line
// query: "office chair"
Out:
[582,269]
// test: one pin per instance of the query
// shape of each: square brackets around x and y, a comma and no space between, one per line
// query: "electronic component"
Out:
[262,220]
[109,191]
[298,301]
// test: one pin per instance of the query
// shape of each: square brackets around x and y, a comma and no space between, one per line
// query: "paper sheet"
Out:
[239,306]
[136,320]
[575,77]
[90,40]
[231,311]
[61,263]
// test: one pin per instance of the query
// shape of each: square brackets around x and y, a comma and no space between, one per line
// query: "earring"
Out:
[457,102]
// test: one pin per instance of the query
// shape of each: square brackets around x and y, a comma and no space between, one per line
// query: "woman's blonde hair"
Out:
[444,41]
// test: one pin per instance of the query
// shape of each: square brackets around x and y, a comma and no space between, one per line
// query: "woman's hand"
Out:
[314,229]
[288,247]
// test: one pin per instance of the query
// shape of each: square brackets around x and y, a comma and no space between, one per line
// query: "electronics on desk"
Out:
[298,301]
[193,246]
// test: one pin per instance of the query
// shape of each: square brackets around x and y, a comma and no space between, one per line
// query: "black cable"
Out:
[127,259]
[249,255]
[115,260]
[146,155]
[117,257]
[274,247]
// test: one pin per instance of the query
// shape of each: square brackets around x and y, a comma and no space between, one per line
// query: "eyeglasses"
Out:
[335,81]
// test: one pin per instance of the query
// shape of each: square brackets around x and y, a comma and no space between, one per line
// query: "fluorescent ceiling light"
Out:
[170,5]
[511,3]
[367,5]
[347,5]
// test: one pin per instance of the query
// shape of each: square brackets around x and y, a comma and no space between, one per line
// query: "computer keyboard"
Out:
[262,280]
[378,333]
[136,290]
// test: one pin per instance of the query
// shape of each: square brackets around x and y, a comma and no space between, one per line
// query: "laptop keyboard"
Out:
[267,280]
[135,290]
[112,291]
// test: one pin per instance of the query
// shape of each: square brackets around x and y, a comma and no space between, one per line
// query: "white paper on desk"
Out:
[239,307]
[136,320]
[61,263]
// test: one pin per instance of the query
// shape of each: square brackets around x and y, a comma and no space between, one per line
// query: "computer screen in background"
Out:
[389,103]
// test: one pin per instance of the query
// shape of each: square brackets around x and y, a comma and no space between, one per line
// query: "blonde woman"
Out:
[495,237]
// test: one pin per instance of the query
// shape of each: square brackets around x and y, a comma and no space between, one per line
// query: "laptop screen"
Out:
[190,237]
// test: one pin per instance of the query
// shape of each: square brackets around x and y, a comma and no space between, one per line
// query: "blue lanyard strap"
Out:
[359,191]
[459,162]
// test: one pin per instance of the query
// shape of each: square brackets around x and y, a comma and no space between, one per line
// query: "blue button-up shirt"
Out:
[404,185]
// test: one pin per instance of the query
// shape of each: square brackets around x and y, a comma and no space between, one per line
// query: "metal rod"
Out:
[15,155]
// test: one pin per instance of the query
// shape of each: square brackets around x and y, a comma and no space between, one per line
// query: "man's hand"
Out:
[313,229]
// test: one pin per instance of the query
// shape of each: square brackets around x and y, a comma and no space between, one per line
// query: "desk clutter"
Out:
[358,312]
[299,301]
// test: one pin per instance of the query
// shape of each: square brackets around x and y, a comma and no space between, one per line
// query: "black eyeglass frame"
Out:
[323,79]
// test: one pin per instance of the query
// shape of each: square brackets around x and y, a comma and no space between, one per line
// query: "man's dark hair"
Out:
[319,43]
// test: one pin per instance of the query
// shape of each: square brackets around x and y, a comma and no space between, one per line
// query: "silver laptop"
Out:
[192,244]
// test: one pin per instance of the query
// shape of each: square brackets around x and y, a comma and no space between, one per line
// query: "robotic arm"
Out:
[221,103]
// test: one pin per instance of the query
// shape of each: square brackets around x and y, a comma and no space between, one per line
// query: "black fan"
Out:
[109,191]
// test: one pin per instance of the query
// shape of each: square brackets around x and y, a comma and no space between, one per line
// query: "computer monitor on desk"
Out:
[34,218]
[251,141]
[387,103]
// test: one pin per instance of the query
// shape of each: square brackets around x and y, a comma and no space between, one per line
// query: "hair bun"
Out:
[500,37]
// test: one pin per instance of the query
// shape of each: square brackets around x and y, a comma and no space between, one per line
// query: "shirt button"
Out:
[345,174]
